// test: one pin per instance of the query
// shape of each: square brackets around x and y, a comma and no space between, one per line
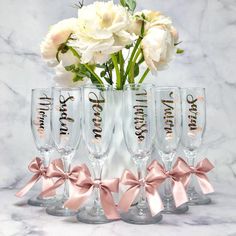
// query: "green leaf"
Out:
[70,68]
[77,78]
[141,60]
[178,43]
[123,3]
[103,66]
[179,51]
[129,46]
[131,4]
[103,73]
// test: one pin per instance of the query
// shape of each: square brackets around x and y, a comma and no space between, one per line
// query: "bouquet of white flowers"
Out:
[107,38]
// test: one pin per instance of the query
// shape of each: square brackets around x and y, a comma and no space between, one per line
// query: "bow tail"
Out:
[28,186]
[155,202]
[46,184]
[108,204]
[78,198]
[128,198]
[204,183]
[185,180]
[179,193]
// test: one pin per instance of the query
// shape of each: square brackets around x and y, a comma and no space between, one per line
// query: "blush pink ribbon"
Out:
[86,185]
[56,170]
[200,171]
[36,166]
[179,170]
[152,180]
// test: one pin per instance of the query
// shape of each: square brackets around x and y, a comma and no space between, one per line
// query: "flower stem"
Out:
[94,74]
[121,62]
[144,75]
[131,72]
[131,58]
[118,78]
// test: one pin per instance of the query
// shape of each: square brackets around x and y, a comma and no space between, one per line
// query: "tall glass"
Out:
[168,129]
[138,118]
[41,102]
[194,121]
[98,125]
[66,132]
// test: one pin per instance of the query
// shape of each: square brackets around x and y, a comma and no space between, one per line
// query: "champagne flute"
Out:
[139,134]
[41,102]
[168,129]
[98,125]
[66,132]
[194,121]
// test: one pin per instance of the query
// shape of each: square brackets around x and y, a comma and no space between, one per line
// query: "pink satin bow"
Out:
[200,171]
[86,185]
[36,166]
[56,170]
[152,180]
[179,170]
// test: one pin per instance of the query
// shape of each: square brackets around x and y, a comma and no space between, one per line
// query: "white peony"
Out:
[159,40]
[102,31]
[158,48]
[57,35]
[152,19]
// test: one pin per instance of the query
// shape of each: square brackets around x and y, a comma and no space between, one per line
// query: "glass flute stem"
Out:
[168,184]
[97,170]
[191,157]
[46,160]
[67,165]
[142,195]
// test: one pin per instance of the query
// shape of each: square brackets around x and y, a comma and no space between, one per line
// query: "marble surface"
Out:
[207,29]
[217,219]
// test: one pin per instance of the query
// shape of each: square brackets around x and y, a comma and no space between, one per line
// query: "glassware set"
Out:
[152,116]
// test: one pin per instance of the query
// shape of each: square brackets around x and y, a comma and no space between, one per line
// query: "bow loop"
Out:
[204,166]
[200,171]
[86,184]
[36,166]
[150,183]
[56,170]
[179,170]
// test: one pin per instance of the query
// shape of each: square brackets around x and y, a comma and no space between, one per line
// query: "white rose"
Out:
[64,78]
[102,30]
[57,35]
[158,48]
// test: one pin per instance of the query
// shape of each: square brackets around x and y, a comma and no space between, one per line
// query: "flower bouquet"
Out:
[108,43]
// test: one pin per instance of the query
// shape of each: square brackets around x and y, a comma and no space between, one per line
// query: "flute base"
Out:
[92,215]
[58,209]
[140,216]
[197,199]
[42,202]
[170,208]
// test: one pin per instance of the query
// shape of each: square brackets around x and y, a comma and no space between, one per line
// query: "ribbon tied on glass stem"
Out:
[179,170]
[56,170]
[40,172]
[200,171]
[150,183]
[85,186]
